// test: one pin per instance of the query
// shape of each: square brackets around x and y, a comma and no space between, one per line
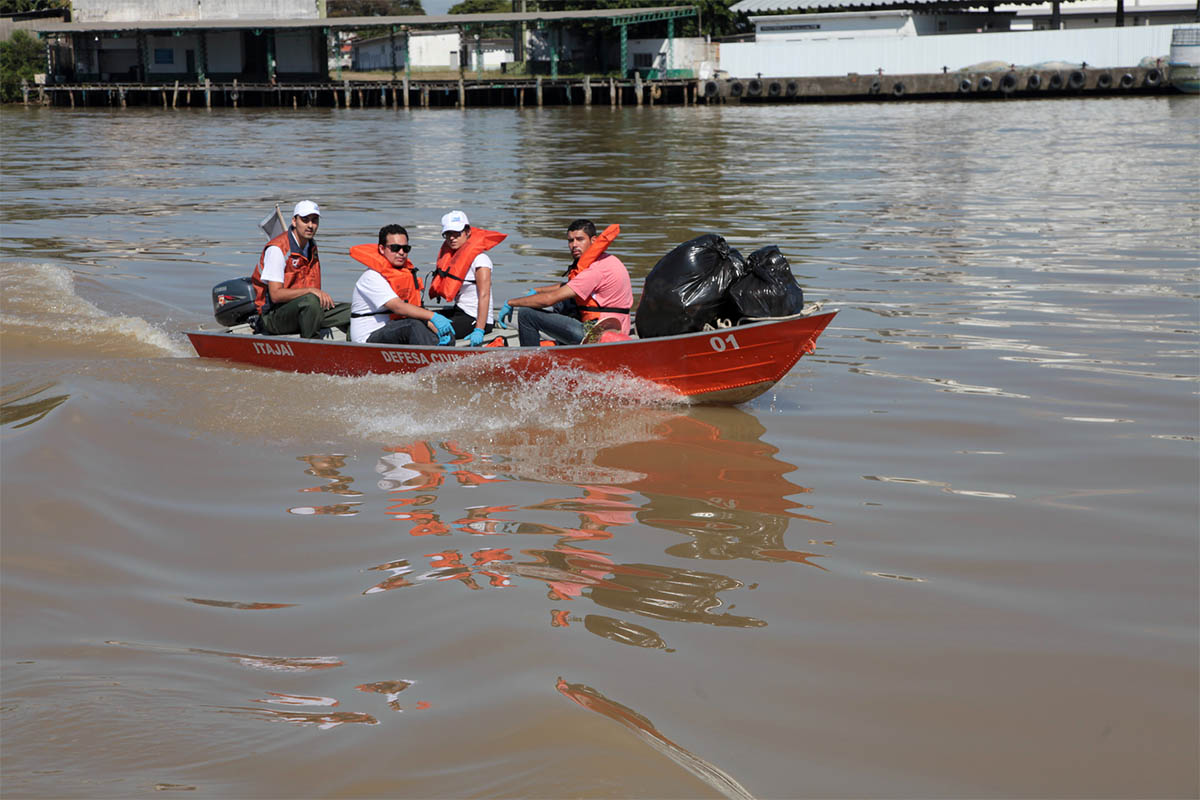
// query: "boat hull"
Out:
[721,367]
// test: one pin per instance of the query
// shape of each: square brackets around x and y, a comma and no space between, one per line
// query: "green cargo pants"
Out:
[305,316]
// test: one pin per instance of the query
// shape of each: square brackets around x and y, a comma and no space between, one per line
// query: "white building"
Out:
[666,57]
[158,10]
[426,49]
[929,39]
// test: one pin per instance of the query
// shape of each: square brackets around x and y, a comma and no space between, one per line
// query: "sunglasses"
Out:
[452,234]
[396,248]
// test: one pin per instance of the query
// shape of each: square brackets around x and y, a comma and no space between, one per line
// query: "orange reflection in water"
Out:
[644,729]
[705,475]
[329,466]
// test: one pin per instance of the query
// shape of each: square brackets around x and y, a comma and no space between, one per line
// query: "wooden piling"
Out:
[175,96]
[235,93]
[346,91]
[424,97]
[295,102]
[24,92]
[539,91]
[406,93]
[612,92]
[637,87]
[462,94]
[587,90]
[71,97]
[121,92]
[207,93]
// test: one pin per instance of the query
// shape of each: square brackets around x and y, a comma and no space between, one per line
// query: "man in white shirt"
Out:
[386,305]
[287,281]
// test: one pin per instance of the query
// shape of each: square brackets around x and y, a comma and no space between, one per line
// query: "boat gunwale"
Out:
[226,332]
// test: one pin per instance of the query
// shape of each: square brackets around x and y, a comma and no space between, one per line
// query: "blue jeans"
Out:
[533,322]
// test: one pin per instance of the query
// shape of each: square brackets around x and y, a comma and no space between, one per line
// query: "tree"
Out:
[20,57]
[372,8]
[11,7]
[486,7]
[715,18]
[482,7]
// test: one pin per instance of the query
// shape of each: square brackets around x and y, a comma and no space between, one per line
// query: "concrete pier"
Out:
[511,92]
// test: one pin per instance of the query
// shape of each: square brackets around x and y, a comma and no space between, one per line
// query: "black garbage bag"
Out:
[689,287]
[768,289]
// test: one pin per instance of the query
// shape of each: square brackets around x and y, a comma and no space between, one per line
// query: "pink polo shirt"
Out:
[607,282]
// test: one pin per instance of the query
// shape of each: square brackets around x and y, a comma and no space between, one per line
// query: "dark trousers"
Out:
[305,316]
[404,331]
[463,322]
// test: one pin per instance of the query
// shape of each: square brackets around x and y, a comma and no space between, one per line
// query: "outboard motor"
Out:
[233,301]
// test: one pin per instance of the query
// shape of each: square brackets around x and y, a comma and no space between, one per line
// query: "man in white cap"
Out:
[287,281]
[464,276]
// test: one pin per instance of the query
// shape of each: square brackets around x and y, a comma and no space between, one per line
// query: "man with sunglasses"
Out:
[386,305]
[287,281]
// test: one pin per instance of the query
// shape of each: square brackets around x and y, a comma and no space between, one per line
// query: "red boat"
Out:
[723,366]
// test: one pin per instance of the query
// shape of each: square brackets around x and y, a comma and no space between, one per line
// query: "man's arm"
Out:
[398,306]
[272,275]
[545,298]
[280,295]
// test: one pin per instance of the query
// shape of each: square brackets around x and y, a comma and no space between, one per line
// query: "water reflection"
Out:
[329,467]
[238,605]
[13,411]
[706,476]
[644,729]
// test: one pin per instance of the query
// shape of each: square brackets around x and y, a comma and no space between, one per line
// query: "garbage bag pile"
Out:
[704,280]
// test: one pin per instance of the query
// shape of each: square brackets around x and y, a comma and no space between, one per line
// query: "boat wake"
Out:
[43,311]
[475,395]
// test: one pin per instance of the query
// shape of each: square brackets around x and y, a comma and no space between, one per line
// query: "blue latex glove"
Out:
[506,312]
[505,315]
[444,328]
[476,338]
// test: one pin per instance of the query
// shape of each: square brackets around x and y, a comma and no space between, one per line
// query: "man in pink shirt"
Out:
[601,294]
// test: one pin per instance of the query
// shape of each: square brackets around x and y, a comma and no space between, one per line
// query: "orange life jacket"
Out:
[299,271]
[589,309]
[452,266]
[404,282]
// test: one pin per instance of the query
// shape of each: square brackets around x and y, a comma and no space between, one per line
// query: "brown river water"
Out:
[954,553]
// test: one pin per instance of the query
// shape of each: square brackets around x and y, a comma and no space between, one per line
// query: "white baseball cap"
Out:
[454,221]
[306,207]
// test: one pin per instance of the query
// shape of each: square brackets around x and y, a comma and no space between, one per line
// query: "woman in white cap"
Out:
[464,276]
[287,281]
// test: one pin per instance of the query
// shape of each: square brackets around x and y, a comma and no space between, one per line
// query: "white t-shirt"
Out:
[273,263]
[467,299]
[371,293]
